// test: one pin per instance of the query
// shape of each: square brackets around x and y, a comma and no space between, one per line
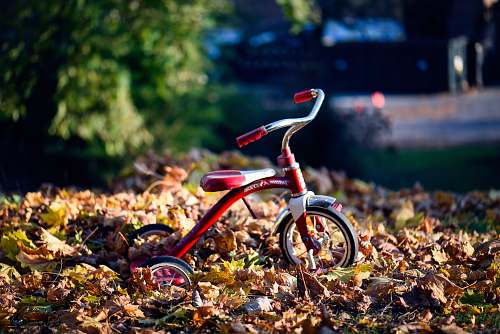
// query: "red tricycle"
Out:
[312,230]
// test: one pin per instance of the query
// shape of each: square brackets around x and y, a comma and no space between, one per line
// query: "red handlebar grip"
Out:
[251,136]
[304,96]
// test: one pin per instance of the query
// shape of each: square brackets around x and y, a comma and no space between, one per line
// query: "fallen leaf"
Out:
[57,215]
[452,329]
[225,242]
[9,273]
[57,246]
[9,243]
[258,305]
[439,256]
[404,213]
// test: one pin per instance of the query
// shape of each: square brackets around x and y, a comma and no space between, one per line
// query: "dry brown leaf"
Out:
[57,246]
[203,313]
[174,176]
[414,279]
[439,256]
[225,242]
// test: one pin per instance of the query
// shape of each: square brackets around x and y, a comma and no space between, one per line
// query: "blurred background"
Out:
[413,86]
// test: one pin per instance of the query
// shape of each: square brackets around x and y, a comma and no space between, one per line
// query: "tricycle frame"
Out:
[292,180]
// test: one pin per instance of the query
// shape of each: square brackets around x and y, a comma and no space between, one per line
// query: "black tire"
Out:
[339,220]
[151,229]
[172,263]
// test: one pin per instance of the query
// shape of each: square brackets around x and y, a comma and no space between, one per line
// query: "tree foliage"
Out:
[117,74]
[300,12]
[120,69]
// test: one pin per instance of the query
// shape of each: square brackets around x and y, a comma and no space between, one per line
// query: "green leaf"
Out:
[9,241]
[299,12]
[343,274]
[234,265]
[472,298]
[33,301]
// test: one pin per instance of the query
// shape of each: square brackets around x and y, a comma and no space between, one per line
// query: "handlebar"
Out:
[294,124]
[304,96]
[251,136]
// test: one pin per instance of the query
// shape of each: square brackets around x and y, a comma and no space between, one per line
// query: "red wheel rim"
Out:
[165,276]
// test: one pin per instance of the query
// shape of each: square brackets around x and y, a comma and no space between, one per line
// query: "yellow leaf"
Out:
[8,273]
[9,243]
[56,216]
[342,274]
[363,271]
[79,273]
[234,265]
[363,268]
[403,214]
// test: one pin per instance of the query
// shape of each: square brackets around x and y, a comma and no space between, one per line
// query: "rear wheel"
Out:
[338,240]
[149,230]
[170,271]
[149,241]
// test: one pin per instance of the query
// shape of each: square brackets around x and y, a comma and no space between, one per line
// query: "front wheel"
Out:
[333,231]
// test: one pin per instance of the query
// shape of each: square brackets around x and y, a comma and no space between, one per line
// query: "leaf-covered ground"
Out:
[428,261]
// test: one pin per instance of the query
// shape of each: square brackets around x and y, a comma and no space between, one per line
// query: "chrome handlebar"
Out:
[296,124]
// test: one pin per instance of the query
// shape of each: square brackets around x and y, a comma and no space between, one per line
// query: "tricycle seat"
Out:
[220,180]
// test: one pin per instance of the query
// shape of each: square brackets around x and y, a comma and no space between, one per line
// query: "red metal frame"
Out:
[292,180]
[213,215]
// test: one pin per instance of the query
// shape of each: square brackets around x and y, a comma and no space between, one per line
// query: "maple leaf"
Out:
[123,303]
[438,290]
[38,258]
[203,313]
[209,291]
[93,325]
[380,287]
[9,243]
[133,311]
[308,285]
[79,273]
[56,217]
[174,176]
[59,292]
[342,274]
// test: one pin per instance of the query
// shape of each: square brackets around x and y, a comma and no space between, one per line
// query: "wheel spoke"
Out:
[328,234]
[336,253]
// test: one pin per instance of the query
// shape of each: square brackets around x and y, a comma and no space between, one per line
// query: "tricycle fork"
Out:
[306,229]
